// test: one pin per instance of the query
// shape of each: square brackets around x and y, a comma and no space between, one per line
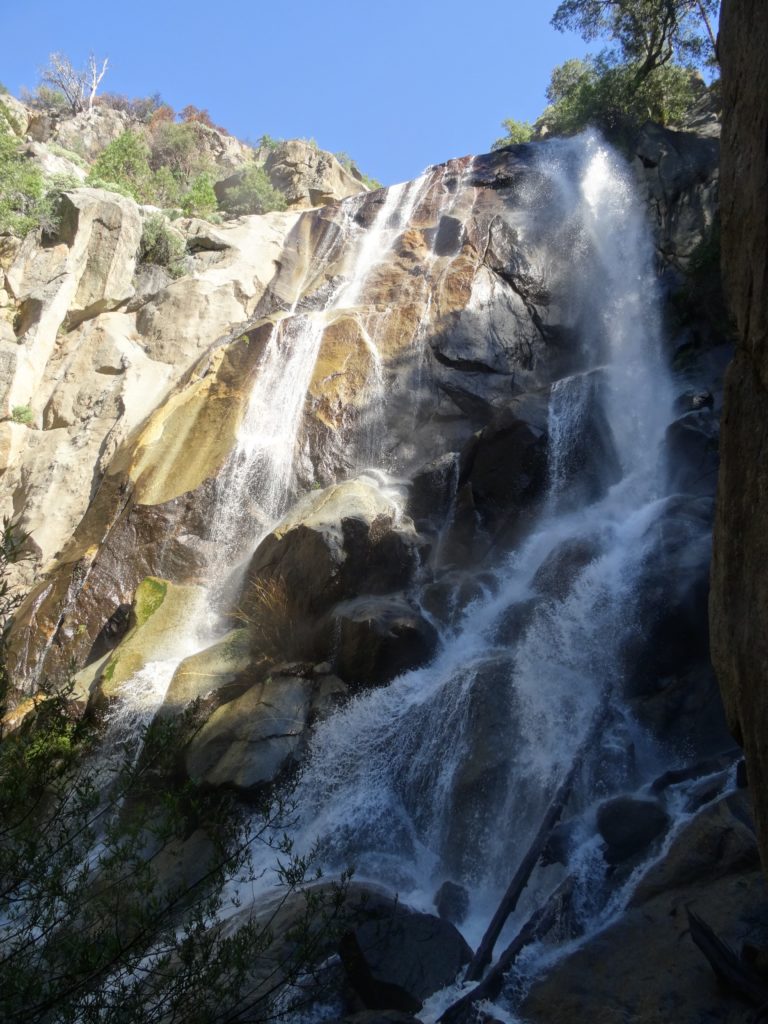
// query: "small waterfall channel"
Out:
[445,773]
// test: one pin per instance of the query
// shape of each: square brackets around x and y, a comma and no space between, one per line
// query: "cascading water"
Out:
[445,773]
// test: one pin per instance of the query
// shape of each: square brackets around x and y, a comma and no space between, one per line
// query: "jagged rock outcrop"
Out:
[739,602]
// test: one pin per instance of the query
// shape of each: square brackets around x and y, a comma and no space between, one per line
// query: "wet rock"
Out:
[692,452]
[502,473]
[628,826]
[666,655]
[479,784]
[160,610]
[452,902]
[559,570]
[336,544]
[380,638]
[395,958]
[514,621]
[645,963]
[432,490]
[447,598]
[214,669]
[693,401]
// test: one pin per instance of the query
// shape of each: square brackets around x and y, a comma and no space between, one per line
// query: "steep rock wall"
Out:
[739,602]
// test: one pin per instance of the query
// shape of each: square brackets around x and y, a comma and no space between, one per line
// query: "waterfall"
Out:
[445,772]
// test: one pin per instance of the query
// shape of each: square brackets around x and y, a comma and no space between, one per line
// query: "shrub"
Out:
[125,162]
[161,247]
[267,142]
[252,193]
[22,187]
[21,414]
[166,187]
[517,132]
[200,200]
[176,147]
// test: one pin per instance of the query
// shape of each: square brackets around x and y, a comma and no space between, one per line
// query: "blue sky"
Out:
[398,84]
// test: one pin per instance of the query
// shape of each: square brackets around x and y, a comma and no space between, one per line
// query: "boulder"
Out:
[379,638]
[691,444]
[502,474]
[452,902]
[395,957]
[562,566]
[335,544]
[309,176]
[214,669]
[249,742]
[628,826]
[91,131]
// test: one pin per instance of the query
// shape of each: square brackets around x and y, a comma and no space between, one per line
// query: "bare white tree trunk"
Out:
[95,77]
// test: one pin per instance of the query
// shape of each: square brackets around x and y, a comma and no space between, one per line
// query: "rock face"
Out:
[739,603]
[645,967]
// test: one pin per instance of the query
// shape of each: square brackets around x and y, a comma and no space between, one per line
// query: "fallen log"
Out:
[537,925]
[731,971]
[510,899]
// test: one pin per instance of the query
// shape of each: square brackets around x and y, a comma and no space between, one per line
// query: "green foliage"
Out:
[4,91]
[161,247]
[648,34]
[591,92]
[176,147]
[267,142]
[22,187]
[253,193]
[21,414]
[125,163]
[68,154]
[517,132]
[46,98]
[166,187]
[96,924]
[200,200]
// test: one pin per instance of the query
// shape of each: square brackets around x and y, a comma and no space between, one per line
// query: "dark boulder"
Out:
[629,826]
[395,957]
[380,638]
[452,902]
[559,570]
[692,452]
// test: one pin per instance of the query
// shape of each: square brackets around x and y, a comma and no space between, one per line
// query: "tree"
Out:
[251,192]
[78,86]
[609,97]
[517,132]
[648,34]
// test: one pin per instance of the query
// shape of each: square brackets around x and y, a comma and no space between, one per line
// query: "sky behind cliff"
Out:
[397,85]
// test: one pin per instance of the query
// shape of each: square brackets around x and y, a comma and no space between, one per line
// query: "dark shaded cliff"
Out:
[739,598]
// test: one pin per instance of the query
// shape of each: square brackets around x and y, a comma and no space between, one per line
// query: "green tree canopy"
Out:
[648,34]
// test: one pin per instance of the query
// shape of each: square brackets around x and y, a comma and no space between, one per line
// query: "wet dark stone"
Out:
[397,957]
[629,826]
[380,638]
[452,902]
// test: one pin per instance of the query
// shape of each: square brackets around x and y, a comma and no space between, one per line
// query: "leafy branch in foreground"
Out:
[119,883]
